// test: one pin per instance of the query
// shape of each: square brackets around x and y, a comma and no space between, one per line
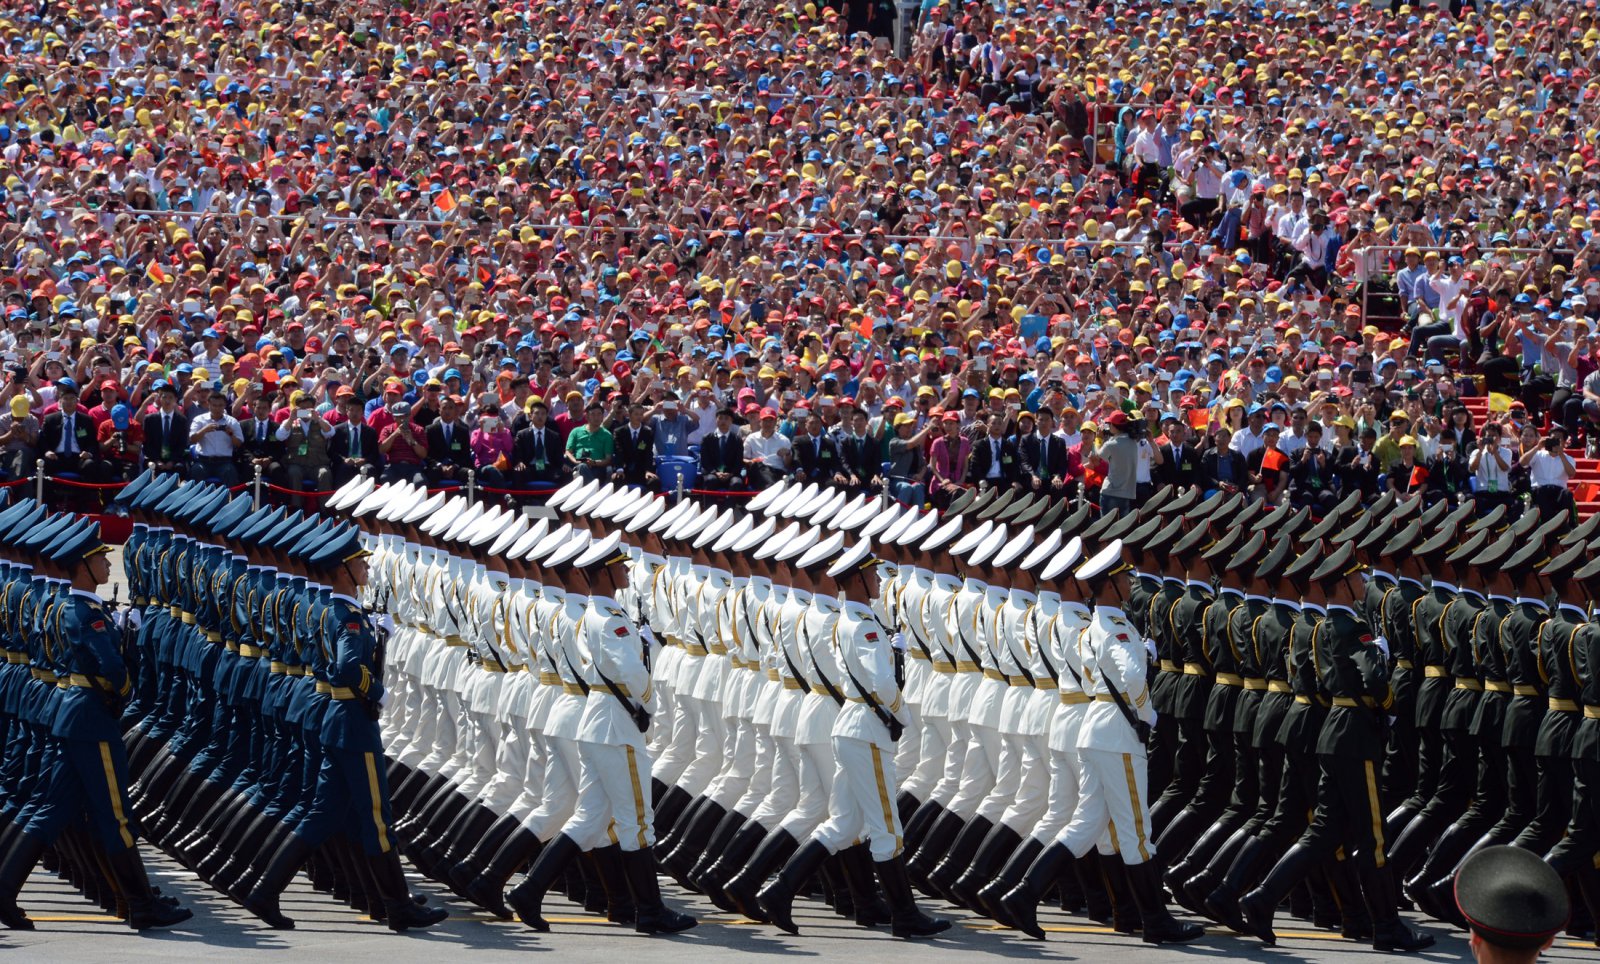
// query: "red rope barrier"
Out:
[14,483]
[74,484]
[530,492]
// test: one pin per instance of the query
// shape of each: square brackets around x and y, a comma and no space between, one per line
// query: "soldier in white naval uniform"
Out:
[864,732]
[613,786]
[1111,749]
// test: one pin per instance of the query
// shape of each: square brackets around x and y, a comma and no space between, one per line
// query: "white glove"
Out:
[383,698]
[1150,647]
[899,641]
[1382,644]
[1154,718]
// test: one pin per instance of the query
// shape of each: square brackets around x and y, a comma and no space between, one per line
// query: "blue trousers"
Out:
[89,776]
[351,796]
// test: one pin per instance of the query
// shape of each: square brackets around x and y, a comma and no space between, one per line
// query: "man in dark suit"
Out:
[536,451]
[635,461]
[449,444]
[816,455]
[353,450]
[1044,456]
[722,455]
[860,457]
[995,460]
[166,431]
[68,440]
[1221,468]
[1180,457]
[261,446]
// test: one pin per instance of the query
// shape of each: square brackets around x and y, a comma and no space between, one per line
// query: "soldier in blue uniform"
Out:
[77,644]
[351,790]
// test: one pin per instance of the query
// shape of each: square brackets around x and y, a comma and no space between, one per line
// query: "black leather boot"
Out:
[1390,933]
[1097,905]
[1017,864]
[1020,905]
[1354,922]
[1222,903]
[145,908]
[868,905]
[487,886]
[730,859]
[1160,927]
[469,866]
[614,887]
[1257,908]
[247,844]
[262,899]
[467,829]
[743,890]
[955,861]
[908,919]
[777,898]
[692,841]
[527,899]
[714,847]
[16,863]
[670,809]
[999,844]
[401,913]
[651,915]
[917,827]
[1125,918]
[936,843]
[905,806]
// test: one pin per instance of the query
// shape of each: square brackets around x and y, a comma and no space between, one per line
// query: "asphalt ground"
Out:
[70,929]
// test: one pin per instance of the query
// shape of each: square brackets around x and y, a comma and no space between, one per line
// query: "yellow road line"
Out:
[1210,932]
[74,919]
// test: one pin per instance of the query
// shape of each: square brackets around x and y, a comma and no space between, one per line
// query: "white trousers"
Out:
[560,797]
[935,740]
[1112,798]
[978,770]
[738,764]
[816,770]
[860,805]
[613,798]
[783,795]
[1031,796]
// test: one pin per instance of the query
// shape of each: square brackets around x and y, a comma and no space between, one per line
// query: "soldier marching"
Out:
[1198,712]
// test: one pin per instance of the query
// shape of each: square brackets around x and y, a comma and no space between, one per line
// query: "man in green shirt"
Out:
[1387,451]
[590,446]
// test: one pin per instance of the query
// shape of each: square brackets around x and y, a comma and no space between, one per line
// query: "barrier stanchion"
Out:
[472,485]
[38,493]
[257,485]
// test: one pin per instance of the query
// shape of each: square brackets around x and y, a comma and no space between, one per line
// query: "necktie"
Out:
[261,430]
[69,438]
[166,429]
[447,435]
[355,445]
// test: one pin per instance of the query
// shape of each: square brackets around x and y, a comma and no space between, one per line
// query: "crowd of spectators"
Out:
[1070,247]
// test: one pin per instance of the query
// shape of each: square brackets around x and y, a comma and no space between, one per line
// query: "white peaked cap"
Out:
[758,534]
[509,534]
[1102,561]
[761,500]
[1042,550]
[822,551]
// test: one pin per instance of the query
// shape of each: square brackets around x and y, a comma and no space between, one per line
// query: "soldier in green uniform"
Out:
[1417,821]
[1574,853]
[1352,667]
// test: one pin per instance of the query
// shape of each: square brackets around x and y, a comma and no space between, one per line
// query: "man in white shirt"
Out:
[767,453]
[1251,437]
[214,436]
[1549,469]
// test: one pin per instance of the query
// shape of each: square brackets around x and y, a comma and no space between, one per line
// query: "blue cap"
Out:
[260,523]
[13,527]
[79,544]
[126,495]
[340,546]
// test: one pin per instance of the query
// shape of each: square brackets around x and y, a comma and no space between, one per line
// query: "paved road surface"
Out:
[70,930]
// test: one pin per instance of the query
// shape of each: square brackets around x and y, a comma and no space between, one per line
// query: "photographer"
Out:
[1118,460]
[1549,470]
[1491,464]
[214,436]
[403,447]
[305,436]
